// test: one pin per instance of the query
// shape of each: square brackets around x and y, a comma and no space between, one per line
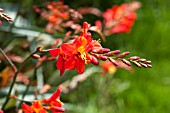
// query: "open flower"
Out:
[40,106]
[54,102]
[120,19]
[36,107]
[76,54]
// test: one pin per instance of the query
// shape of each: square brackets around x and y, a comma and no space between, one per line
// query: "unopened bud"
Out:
[126,62]
[149,65]
[134,58]
[111,53]
[116,51]
[35,56]
[104,50]
[1,10]
[39,49]
[144,65]
[113,61]
[142,60]
[148,62]
[101,57]
[85,25]
[94,60]
[123,54]
[137,64]
[101,50]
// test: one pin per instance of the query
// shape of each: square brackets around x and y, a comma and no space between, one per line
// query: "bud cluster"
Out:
[105,54]
[140,62]
[5,16]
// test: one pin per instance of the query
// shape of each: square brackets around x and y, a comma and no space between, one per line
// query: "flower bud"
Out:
[149,65]
[94,60]
[105,50]
[142,60]
[144,65]
[101,57]
[35,56]
[116,51]
[111,53]
[39,49]
[134,58]
[85,25]
[123,54]
[148,62]
[137,64]
[126,62]
[113,61]
[1,10]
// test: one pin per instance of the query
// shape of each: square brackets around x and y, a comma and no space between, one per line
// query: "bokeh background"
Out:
[144,90]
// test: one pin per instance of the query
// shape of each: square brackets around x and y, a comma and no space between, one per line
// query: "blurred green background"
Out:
[145,90]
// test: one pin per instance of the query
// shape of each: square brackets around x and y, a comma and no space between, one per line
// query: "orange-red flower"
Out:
[36,107]
[53,103]
[108,67]
[76,54]
[120,18]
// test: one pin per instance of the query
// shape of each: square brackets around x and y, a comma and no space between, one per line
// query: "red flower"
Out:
[121,18]
[54,102]
[108,67]
[76,54]
[36,107]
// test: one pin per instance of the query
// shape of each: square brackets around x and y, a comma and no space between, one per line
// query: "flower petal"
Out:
[54,52]
[80,65]
[54,96]
[60,64]
[70,63]
[26,108]
[67,49]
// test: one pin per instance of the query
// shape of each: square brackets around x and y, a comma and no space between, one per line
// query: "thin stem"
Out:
[27,88]
[13,81]
[10,62]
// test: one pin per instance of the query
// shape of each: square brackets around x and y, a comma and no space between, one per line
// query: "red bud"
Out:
[126,62]
[35,56]
[137,64]
[94,60]
[113,61]
[104,58]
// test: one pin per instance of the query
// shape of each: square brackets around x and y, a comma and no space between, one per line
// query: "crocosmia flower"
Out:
[52,103]
[76,54]
[36,107]
[120,19]
[55,105]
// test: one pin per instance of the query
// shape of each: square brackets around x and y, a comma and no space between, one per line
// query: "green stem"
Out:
[27,88]
[13,81]
[13,66]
